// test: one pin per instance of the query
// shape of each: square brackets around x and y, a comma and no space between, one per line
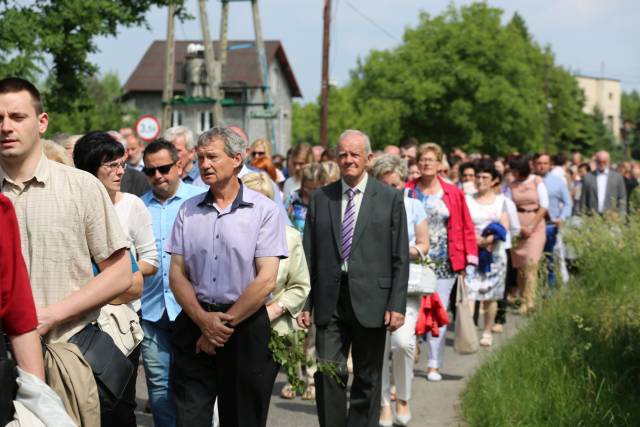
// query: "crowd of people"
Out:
[188,254]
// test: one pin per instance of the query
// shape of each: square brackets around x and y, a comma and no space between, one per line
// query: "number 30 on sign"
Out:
[148,127]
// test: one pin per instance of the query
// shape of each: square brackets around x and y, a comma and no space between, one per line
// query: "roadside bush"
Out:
[577,361]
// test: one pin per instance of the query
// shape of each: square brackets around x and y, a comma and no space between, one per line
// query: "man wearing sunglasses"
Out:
[159,307]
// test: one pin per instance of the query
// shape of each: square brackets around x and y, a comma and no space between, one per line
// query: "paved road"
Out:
[433,404]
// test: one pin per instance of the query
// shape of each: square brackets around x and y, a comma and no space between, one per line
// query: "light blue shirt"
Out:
[157,295]
[559,197]
[415,215]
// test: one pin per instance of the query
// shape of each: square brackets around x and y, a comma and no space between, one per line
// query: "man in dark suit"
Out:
[603,189]
[357,249]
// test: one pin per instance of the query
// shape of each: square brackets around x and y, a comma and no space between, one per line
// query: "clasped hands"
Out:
[392,320]
[216,330]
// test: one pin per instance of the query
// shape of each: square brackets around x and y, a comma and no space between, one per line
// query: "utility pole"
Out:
[213,67]
[169,67]
[264,71]
[224,32]
[324,88]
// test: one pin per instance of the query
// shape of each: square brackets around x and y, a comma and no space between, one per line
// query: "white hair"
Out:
[233,143]
[360,134]
[173,133]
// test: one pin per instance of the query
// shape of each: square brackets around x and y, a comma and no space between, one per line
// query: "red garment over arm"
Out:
[17,309]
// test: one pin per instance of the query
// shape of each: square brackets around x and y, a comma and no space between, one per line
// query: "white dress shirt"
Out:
[357,200]
[601,181]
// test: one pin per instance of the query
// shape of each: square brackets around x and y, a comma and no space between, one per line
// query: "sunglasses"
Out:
[164,169]
[259,153]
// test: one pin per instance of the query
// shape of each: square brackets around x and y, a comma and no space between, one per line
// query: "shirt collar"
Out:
[237,202]
[362,185]
[604,172]
[41,174]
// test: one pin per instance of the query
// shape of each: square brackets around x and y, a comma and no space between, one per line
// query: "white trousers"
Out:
[400,347]
[436,344]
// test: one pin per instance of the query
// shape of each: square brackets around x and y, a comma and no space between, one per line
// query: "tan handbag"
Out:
[466,339]
[122,324]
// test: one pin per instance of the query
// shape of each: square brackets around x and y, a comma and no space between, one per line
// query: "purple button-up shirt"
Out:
[220,247]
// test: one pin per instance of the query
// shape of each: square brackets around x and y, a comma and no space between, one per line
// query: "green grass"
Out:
[577,361]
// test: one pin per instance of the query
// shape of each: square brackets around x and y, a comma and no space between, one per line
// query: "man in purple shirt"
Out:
[225,250]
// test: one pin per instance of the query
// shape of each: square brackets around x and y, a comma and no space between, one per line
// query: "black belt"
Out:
[215,307]
[528,210]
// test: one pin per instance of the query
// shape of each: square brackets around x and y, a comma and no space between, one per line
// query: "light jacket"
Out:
[461,235]
[292,285]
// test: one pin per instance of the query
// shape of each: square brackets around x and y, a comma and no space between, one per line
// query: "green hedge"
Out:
[577,361]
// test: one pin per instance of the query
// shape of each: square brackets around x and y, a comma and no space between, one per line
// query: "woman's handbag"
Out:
[8,384]
[111,368]
[123,326]
[466,339]
[422,278]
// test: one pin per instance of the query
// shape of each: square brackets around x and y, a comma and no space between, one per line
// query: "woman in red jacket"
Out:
[452,239]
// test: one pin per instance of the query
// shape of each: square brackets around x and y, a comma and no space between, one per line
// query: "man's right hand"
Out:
[304,320]
[214,327]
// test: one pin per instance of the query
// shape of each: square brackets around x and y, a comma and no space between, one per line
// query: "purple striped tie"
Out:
[348,225]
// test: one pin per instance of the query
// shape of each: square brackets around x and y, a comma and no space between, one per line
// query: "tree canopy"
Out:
[54,38]
[462,78]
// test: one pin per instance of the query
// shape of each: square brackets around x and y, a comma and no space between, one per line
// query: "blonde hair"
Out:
[55,152]
[333,171]
[268,148]
[260,182]
[431,147]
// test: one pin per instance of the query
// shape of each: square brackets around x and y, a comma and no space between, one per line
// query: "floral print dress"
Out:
[438,220]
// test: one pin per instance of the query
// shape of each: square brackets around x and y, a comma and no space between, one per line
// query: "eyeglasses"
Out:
[113,166]
[259,153]
[164,169]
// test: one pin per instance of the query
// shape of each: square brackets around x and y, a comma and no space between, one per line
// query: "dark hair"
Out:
[467,165]
[486,166]
[520,165]
[586,166]
[94,149]
[559,159]
[409,142]
[16,84]
[159,145]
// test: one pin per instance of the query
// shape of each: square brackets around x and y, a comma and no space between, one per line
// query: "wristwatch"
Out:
[281,305]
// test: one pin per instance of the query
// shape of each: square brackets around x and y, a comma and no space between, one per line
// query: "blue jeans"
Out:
[550,244]
[157,358]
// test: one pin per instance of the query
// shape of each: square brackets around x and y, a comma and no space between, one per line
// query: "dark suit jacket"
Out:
[134,182]
[615,196]
[379,263]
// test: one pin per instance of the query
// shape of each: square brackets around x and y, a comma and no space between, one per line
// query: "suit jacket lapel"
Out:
[366,207]
[335,208]
[609,191]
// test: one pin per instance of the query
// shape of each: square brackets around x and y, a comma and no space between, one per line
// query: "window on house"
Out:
[176,118]
[206,121]
[610,95]
[610,122]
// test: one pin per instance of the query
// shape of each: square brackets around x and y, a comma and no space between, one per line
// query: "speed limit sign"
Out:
[148,127]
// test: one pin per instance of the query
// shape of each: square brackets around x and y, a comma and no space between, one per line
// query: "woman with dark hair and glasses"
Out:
[102,156]
[529,194]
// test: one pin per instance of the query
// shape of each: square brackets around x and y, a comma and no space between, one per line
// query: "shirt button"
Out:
[215,257]
[214,279]
[217,236]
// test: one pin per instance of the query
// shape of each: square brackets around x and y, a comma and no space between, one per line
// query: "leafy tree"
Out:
[61,34]
[631,120]
[101,109]
[464,78]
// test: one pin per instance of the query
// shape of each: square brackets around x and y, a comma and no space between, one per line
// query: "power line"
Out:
[374,23]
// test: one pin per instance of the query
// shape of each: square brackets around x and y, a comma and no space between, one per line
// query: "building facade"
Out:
[605,95]
[241,83]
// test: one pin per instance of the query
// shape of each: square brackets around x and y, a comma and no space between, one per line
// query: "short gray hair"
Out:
[355,132]
[388,163]
[173,133]
[233,143]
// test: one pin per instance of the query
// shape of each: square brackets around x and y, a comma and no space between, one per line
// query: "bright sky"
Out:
[587,36]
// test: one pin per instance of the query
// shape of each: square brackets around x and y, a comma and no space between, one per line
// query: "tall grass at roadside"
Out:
[577,362]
